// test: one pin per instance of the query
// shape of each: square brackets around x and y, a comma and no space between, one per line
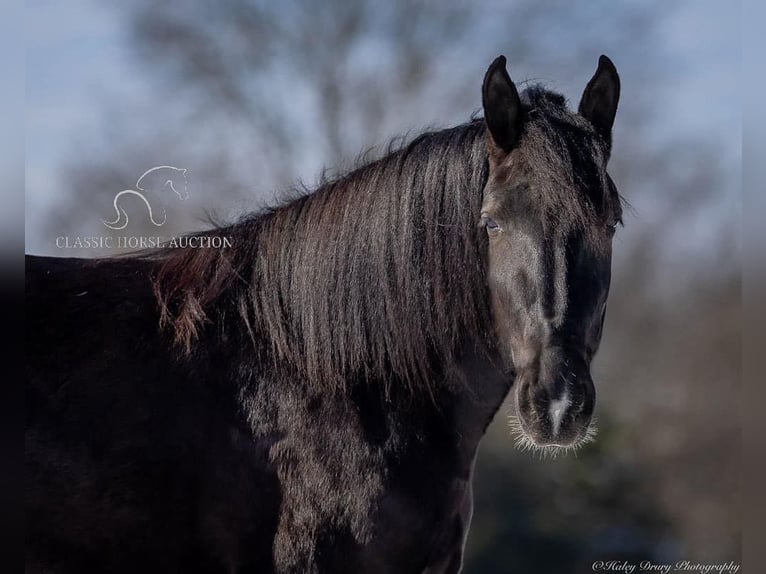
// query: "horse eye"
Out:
[614,223]
[490,224]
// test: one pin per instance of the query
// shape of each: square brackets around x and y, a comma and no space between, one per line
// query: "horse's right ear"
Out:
[599,100]
[502,106]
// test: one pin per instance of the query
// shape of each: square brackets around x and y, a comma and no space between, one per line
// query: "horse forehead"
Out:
[570,156]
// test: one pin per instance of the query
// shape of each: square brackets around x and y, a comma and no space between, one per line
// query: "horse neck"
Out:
[475,402]
[375,278]
[458,405]
[379,273]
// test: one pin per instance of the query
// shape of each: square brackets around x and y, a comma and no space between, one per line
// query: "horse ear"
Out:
[599,100]
[502,106]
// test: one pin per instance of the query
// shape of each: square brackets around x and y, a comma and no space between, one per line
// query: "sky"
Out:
[80,66]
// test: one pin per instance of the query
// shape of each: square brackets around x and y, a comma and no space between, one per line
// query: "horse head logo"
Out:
[152,188]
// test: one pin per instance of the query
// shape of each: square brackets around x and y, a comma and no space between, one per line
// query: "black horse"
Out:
[311,398]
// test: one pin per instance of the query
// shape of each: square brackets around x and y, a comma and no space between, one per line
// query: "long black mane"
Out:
[380,273]
[367,277]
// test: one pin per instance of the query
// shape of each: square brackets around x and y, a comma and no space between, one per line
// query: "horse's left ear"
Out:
[599,100]
[502,106]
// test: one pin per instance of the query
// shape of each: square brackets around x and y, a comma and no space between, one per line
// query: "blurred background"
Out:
[253,97]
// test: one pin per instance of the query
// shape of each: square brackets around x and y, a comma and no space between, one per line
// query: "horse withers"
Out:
[311,397]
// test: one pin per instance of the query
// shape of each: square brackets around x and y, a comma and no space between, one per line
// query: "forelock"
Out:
[564,161]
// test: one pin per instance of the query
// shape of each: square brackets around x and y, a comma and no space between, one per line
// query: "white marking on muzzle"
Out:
[557,409]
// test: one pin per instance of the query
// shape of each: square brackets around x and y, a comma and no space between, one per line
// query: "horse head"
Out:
[549,210]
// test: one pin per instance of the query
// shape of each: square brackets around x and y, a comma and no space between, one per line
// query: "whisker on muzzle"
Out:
[524,443]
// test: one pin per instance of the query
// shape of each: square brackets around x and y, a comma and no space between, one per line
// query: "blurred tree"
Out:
[256,96]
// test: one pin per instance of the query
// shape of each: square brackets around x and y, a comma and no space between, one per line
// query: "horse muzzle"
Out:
[555,399]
